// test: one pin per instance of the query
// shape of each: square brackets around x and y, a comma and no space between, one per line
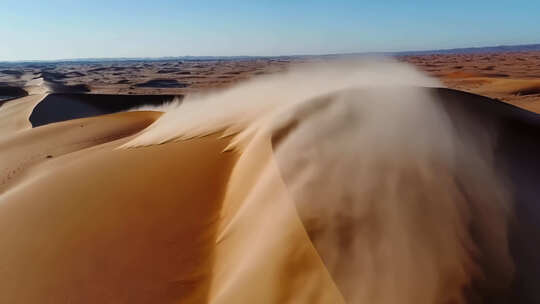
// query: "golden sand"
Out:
[324,199]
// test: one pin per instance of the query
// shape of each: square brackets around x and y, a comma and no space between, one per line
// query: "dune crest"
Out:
[14,114]
[266,96]
[367,169]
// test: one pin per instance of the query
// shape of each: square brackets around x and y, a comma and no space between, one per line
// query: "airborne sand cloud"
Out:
[385,186]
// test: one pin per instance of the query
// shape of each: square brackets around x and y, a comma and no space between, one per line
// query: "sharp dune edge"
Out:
[14,114]
[335,183]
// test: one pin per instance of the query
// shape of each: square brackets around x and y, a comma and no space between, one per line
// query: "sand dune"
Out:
[60,107]
[513,77]
[331,184]
[143,77]
[9,92]
[525,89]
[138,246]
[103,234]
[14,114]
[29,147]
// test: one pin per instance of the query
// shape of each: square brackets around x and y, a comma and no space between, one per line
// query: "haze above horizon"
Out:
[61,29]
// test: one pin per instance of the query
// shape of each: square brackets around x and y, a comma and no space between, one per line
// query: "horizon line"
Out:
[500,48]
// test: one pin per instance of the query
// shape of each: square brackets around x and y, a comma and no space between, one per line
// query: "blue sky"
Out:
[54,29]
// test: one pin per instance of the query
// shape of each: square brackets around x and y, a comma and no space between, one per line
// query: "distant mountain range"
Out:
[476,50]
[470,50]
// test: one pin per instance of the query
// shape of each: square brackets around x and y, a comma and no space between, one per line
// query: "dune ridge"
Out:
[14,114]
[261,109]
[249,102]
[56,107]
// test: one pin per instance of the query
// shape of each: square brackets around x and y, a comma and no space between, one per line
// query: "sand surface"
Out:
[85,222]
[94,230]
[259,206]
[513,77]
[14,114]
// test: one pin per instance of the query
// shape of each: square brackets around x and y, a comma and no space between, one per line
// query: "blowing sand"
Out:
[348,183]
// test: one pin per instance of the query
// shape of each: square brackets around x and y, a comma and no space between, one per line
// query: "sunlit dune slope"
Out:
[14,114]
[26,148]
[111,227]
[141,225]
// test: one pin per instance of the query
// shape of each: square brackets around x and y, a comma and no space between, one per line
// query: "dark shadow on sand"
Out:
[161,83]
[517,154]
[60,107]
[9,93]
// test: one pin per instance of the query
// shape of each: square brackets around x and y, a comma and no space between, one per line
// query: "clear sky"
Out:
[59,29]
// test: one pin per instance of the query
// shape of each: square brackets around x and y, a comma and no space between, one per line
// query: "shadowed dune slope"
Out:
[516,150]
[59,107]
[10,92]
[486,132]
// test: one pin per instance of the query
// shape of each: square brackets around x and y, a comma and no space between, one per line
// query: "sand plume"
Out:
[248,103]
[385,185]
[389,195]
